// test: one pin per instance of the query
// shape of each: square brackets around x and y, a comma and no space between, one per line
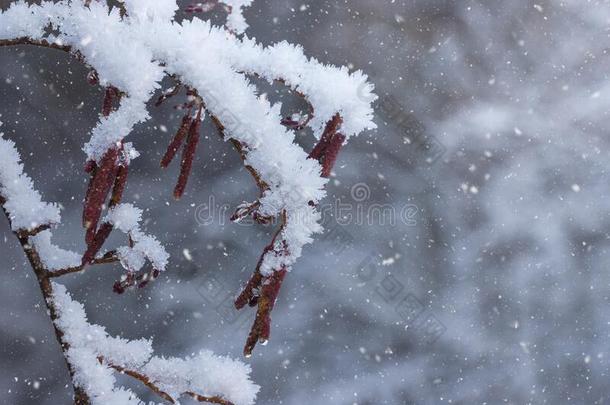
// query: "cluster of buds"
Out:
[262,292]
[187,138]
[107,178]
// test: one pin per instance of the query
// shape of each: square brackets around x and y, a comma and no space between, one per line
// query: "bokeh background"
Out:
[493,131]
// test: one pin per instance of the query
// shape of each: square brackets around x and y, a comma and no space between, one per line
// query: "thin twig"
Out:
[42,43]
[108,257]
[142,378]
[149,383]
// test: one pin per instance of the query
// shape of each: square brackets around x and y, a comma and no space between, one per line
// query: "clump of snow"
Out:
[53,257]
[208,374]
[129,152]
[126,218]
[152,11]
[23,203]
[205,374]
[235,20]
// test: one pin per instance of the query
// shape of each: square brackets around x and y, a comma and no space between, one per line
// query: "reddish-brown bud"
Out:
[329,131]
[98,191]
[176,143]
[108,101]
[96,243]
[247,294]
[261,329]
[188,156]
[120,182]
[331,153]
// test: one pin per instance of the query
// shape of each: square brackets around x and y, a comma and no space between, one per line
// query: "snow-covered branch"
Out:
[91,354]
[96,356]
[130,50]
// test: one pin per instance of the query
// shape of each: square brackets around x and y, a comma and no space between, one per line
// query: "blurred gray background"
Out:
[493,121]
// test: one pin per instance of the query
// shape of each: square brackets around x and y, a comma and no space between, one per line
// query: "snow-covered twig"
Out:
[95,355]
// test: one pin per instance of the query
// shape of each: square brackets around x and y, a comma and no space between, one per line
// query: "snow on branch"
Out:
[96,356]
[131,49]
[24,204]
[54,257]
[91,354]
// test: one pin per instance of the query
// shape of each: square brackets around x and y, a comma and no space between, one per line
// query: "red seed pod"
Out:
[97,242]
[120,182]
[108,101]
[329,131]
[248,293]
[271,290]
[188,155]
[88,197]
[98,191]
[261,329]
[331,153]
[176,143]
[288,122]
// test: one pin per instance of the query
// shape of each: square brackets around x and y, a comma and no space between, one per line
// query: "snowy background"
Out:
[493,288]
